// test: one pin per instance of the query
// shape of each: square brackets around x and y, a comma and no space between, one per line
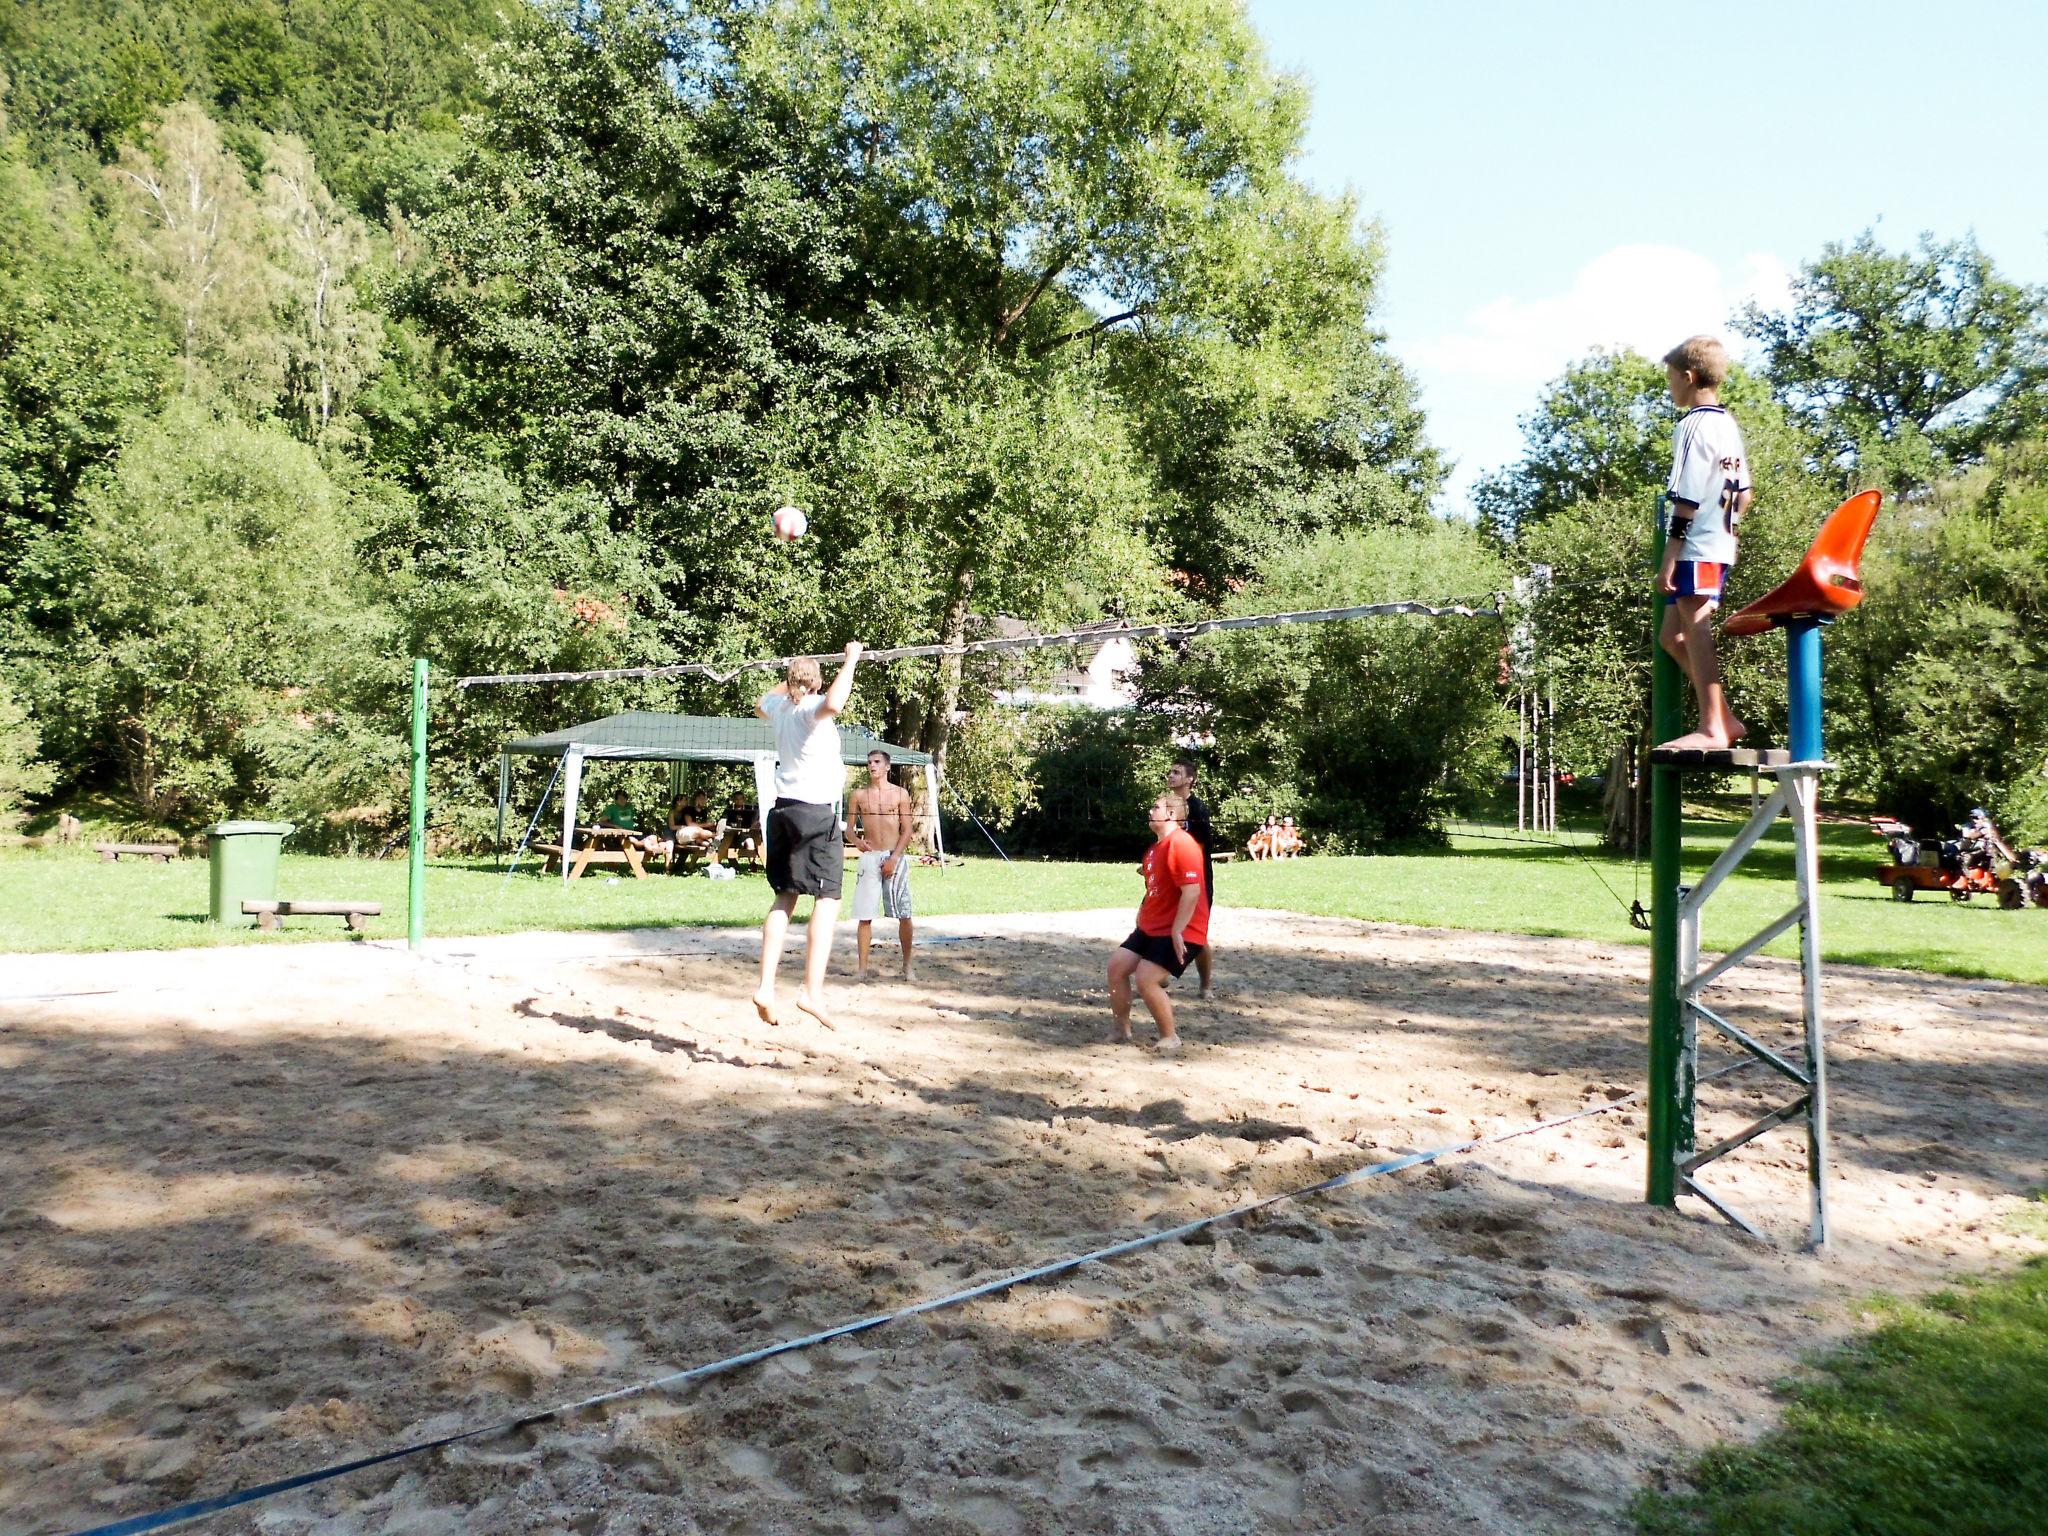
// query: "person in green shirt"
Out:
[620,814]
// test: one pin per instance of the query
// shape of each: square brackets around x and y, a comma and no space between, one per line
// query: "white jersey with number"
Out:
[1710,468]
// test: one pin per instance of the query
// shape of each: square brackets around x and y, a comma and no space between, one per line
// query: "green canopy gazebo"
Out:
[648,736]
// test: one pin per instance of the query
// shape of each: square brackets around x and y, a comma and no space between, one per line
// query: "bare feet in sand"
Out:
[764,1005]
[1117,1037]
[815,1007]
[1207,994]
[1166,1045]
[910,973]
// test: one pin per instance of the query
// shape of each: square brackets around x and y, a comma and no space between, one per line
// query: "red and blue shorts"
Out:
[1697,578]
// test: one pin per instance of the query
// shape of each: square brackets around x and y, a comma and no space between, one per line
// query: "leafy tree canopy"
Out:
[1905,363]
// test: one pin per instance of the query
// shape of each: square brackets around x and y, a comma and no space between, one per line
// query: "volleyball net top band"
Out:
[1092,635]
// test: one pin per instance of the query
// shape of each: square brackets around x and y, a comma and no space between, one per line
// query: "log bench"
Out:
[270,915]
[111,853]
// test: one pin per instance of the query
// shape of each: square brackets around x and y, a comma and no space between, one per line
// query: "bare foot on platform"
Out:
[1697,741]
[815,1007]
[764,1005]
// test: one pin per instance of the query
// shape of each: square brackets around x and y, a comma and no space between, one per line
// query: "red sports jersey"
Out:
[1170,867]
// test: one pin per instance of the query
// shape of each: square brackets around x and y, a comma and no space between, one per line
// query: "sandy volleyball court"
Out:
[263,1210]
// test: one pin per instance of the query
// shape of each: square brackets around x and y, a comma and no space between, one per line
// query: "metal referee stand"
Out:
[1825,585]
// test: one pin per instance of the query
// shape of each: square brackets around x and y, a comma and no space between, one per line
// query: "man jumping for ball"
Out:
[806,854]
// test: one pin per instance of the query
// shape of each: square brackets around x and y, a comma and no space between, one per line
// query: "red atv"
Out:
[1975,861]
[1916,866]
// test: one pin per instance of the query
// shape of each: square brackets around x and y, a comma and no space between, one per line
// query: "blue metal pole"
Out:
[1802,665]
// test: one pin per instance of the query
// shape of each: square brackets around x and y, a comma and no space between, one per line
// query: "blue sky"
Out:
[1554,177]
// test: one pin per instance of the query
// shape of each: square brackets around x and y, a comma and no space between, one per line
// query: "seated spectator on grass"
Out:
[1260,844]
[1290,841]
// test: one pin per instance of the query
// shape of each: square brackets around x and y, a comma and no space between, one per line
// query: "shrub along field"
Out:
[1483,880]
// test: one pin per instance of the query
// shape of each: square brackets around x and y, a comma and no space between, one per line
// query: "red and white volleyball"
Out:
[790,523]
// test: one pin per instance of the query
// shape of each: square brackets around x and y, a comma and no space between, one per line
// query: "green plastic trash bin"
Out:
[242,859]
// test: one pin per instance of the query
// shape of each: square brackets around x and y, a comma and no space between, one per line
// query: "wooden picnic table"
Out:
[600,845]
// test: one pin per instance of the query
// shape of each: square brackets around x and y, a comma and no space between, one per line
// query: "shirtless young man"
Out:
[879,817]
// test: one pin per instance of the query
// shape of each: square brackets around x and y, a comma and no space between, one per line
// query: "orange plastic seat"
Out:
[1828,581]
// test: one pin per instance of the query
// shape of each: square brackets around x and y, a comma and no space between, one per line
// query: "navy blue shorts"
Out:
[1697,578]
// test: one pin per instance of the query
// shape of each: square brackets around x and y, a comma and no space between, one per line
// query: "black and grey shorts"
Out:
[806,849]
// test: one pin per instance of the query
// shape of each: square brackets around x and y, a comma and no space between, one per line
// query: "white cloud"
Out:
[1480,377]
[1640,296]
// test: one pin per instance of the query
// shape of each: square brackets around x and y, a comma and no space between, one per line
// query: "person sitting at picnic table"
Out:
[621,817]
[688,825]
[739,830]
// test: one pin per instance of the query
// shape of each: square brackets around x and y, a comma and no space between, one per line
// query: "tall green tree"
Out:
[22,773]
[1368,732]
[78,354]
[224,589]
[1601,431]
[197,234]
[1938,687]
[331,339]
[1905,364]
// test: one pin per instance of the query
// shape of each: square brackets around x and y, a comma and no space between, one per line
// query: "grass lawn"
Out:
[66,900]
[1935,1424]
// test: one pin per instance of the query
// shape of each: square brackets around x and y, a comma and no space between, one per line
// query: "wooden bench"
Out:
[161,853]
[270,915]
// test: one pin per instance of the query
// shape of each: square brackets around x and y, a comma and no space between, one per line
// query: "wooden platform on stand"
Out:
[1727,760]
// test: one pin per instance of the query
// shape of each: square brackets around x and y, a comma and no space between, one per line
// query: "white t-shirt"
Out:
[1709,467]
[807,765]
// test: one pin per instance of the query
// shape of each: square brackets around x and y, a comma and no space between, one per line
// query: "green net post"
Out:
[1666,721]
[416,873]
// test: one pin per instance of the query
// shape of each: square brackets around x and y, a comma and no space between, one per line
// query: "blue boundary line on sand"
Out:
[196,1509]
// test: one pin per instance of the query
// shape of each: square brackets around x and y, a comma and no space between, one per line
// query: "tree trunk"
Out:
[1618,806]
[938,725]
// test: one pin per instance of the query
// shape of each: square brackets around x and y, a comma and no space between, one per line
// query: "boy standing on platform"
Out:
[1709,490]
[806,853]
[1173,925]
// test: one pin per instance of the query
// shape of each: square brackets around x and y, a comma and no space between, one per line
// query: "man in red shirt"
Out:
[1173,924]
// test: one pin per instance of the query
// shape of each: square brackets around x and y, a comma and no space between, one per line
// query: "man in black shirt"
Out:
[1180,779]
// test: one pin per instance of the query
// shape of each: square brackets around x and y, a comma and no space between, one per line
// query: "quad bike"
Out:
[1975,861]
[2028,881]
